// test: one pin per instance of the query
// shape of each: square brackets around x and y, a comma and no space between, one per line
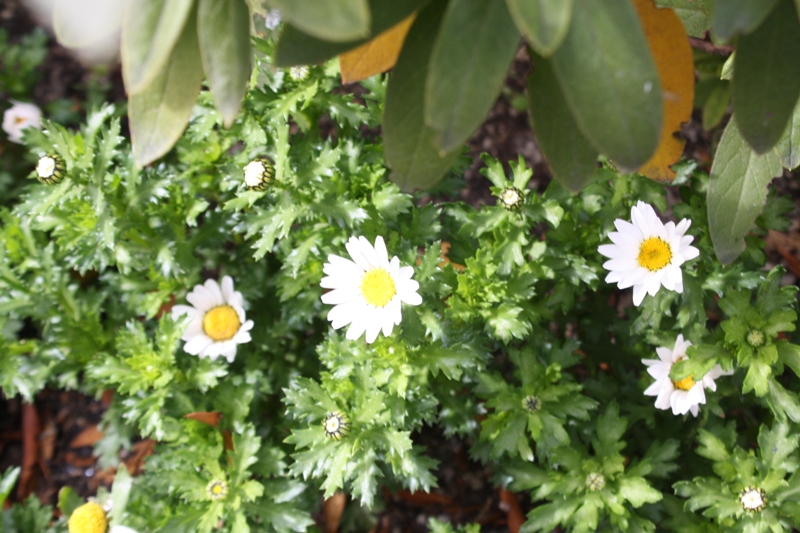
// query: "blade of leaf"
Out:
[737,191]
[332,20]
[610,81]
[470,59]
[378,55]
[766,84]
[223,32]
[150,30]
[675,63]
[159,113]
[408,142]
[695,14]
[570,155]
[544,23]
[788,147]
[298,48]
[738,17]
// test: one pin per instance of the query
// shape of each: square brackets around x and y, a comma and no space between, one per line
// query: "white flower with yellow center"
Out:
[218,321]
[20,116]
[647,253]
[367,291]
[682,396]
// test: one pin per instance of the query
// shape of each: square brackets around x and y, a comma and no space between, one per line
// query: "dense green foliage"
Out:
[519,347]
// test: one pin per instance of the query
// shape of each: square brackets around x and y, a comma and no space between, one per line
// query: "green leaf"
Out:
[789,354]
[298,48]
[782,402]
[223,32]
[716,105]
[638,491]
[475,46]
[150,30]
[757,378]
[610,81]
[695,14]
[408,141]
[7,483]
[544,23]
[788,146]
[736,17]
[737,192]
[610,427]
[120,491]
[159,113]
[68,499]
[711,447]
[572,158]
[767,81]
[332,20]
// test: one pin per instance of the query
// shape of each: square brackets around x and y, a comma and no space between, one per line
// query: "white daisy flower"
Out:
[218,320]
[20,116]
[684,395]
[368,290]
[648,253]
[121,529]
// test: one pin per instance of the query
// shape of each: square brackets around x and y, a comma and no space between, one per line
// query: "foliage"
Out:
[519,347]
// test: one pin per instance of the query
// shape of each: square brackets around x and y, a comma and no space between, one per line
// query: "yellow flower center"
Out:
[378,288]
[654,254]
[221,323]
[88,518]
[684,384]
[217,489]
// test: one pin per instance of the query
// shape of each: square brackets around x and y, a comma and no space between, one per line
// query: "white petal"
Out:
[357,328]
[664,397]
[227,288]
[354,249]
[216,294]
[638,294]
[369,252]
[198,344]
[383,255]
[340,296]
[179,310]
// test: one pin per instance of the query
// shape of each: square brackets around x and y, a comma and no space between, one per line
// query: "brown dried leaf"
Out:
[376,56]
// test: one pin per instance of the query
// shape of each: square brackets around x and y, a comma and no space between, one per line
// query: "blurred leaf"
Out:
[572,158]
[716,105]
[610,82]
[378,55]
[675,63]
[475,46]
[544,23]
[298,48]
[150,30]
[68,501]
[408,142]
[332,20]
[788,146]
[737,192]
[223,31]
[767,81]
[695,14]
[120,491]
[736,17]
[159,113]
[7,482]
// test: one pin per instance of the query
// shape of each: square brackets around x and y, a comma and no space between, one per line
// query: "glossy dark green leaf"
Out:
[408,142]
[570,155]
[737,191]
[610,82]
[766,81]
[738,17]
[544,23]
[159,113]
[788,147]
[223,31]
[298,48]
[332,20]
[695,14]
[475,46]
[150,30]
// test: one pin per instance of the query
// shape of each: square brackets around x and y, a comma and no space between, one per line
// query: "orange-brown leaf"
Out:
[376,56]
[510,504]
[211,418]
[332,510]
[672,54]
[87,437]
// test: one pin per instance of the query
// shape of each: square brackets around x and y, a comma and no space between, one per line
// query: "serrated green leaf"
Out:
[223,32]
[572,158]
[610,82]
[782,402]
[738,17]
[695,14]
[711,447]
[160,111]
[737,192]
[767,81]
[476,43]
[332,20]
[544,23]
[757,378]
[638,491]
[298,48]
[150,31]
[408,141]
[610,426]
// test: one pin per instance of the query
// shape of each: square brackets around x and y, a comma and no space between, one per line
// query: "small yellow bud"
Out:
[88,518]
